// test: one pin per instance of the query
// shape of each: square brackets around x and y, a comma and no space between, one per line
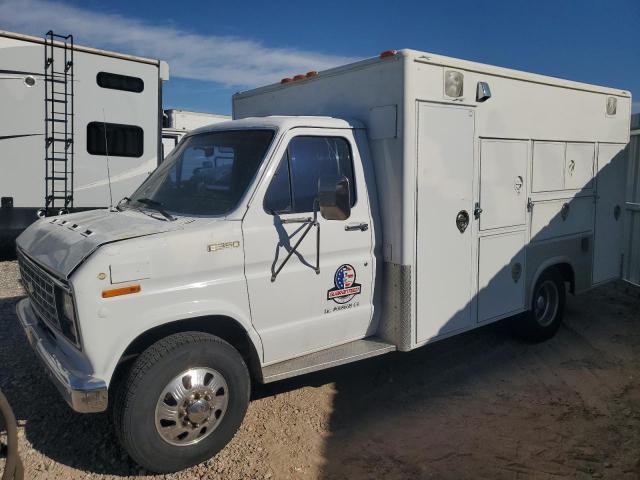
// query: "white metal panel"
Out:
[383,122]
[607,261]
[130,271]
[578,167]
[548,220]
[548,166]
[293,314]
[445,187]
[503,180]
[501,276]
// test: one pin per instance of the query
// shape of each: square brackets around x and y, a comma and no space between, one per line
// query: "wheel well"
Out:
[221,326]
[566,270]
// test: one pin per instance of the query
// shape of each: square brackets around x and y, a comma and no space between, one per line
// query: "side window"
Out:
[295,185]
[120,82]
[278,197]
[121,140]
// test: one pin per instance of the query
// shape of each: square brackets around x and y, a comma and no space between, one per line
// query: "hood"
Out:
[62,243]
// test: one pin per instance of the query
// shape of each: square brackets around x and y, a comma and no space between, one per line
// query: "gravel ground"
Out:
[480,405]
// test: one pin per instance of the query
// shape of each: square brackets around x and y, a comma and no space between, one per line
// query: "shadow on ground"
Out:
[484,405]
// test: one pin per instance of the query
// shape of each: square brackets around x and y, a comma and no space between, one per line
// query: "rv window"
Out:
[122,140]
[120,82]
[295,184]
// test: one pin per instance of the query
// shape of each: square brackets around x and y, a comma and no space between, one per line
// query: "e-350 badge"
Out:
[345,285]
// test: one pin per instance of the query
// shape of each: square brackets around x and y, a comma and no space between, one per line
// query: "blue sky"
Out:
[216,48]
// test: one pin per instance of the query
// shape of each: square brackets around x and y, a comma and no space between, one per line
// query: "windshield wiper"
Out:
[155,205]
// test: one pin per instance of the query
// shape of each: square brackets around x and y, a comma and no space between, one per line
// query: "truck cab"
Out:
[246,251]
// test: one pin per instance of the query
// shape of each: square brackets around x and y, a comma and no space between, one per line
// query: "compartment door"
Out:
[503,180]
[610,185]
[444,280]
[501,275]
[578,167]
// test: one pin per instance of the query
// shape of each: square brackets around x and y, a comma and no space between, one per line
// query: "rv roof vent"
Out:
[388,53]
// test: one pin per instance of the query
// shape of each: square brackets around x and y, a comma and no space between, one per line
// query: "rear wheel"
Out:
[182,401]
[545,313]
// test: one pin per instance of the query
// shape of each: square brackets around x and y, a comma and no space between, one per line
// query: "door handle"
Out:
[363,227]
[462,220]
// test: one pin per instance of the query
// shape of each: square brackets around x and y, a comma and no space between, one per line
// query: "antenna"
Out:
[106,150]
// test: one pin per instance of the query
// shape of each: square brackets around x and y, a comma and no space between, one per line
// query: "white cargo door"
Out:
[503,179]
[445,191]
[578,166]
[503,199]
[501,275]
[610,185]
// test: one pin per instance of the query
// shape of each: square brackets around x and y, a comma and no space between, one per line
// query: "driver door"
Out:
[301,311]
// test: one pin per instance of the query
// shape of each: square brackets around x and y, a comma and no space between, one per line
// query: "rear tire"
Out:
[546,311]
[181,402]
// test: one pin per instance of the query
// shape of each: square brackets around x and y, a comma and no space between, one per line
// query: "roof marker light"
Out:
[299,77]
[286,80]
[312,73]
[388,53]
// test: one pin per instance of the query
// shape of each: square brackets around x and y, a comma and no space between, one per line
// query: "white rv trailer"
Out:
[632,221]
[56,99]
[177,123]
[370,208]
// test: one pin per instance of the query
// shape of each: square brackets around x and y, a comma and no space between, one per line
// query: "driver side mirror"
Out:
[334,197]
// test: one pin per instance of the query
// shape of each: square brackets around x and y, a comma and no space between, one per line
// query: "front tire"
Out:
[181,402]
[546,311]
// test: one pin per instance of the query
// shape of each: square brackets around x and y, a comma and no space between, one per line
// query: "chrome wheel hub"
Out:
[546,303]
[191,406]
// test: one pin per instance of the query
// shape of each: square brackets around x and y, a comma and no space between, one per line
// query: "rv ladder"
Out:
[58,122]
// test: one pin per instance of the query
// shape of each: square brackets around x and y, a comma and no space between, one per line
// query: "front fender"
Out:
[160,316]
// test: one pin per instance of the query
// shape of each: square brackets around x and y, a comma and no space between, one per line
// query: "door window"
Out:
[294,186]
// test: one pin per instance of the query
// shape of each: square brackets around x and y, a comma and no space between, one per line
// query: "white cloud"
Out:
[231,61]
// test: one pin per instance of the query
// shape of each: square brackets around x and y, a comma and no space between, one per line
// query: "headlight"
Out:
[67,316]
[67,307]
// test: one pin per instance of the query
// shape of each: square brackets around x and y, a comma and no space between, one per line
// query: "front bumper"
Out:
[67,368]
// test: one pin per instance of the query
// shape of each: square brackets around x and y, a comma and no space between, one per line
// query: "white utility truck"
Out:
[176,123]
[59,102]
[374,207]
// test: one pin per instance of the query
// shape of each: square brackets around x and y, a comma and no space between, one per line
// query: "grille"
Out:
[41,290]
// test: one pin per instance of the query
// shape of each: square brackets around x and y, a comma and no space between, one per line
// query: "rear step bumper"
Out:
[331,357]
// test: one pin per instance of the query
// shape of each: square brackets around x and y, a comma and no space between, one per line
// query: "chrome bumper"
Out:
[83,392]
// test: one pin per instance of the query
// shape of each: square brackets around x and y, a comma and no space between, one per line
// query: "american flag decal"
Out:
[345,285]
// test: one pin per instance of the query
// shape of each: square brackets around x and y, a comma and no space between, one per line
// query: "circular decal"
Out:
[345,286]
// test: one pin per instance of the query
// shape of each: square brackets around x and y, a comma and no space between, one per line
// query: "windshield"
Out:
[206,174]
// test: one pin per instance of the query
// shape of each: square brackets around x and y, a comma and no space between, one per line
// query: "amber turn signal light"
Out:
[115,292]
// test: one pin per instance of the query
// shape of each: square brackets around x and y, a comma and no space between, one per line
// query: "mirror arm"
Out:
[311,222]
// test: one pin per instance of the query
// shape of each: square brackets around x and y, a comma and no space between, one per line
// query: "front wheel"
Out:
[544,316]
[182,401]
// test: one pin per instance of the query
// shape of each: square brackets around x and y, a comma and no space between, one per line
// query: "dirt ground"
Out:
[480,405]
